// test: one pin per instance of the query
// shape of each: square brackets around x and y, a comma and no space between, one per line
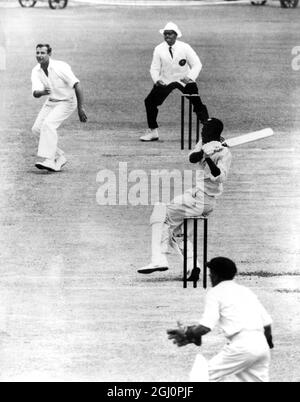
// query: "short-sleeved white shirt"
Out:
[234,308]
[60,80]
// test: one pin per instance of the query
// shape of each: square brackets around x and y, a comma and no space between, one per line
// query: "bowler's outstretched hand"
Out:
[82,115]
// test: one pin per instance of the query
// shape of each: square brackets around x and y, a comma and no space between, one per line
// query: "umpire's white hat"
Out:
[171,27]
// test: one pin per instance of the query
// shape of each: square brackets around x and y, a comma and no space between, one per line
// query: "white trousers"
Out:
[51,116]
[167,220]
[190,204]
[247,356]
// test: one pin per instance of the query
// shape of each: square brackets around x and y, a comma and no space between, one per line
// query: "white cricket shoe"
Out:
[149,269]
[47,164]
[61,161]
[152,135]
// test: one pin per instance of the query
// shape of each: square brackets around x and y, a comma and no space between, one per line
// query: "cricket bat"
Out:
[245,138]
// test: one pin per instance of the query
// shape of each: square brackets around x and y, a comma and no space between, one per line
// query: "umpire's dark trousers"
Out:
[159,94]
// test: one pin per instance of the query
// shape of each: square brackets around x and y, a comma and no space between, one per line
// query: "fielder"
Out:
[214,162]
[175,65]
[245,323]
[55,80]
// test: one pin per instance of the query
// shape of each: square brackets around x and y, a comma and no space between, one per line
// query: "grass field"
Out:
[73,307]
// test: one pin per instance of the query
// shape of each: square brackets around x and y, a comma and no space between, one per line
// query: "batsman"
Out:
[214,162]
[245,323]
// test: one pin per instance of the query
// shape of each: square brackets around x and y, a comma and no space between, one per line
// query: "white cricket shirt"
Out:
[60,80]
[206,182]
[185,63]
[234,308]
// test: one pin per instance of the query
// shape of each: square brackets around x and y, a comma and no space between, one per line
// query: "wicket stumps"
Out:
[190,121]
[195,249]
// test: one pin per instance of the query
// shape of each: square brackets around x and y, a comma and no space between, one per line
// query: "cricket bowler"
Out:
[175,65]
[245,323]
[214,162]
[55,80]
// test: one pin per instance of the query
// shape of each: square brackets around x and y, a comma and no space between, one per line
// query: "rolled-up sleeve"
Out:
[265,316]
[194,63]
[66,73]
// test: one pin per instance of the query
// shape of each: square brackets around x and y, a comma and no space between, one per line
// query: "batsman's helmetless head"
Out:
[221,269]
[212,130]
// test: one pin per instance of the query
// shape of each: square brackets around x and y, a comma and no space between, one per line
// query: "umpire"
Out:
[175,65]
[244,321]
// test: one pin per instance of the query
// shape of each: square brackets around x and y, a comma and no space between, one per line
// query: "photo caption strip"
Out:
[148,391]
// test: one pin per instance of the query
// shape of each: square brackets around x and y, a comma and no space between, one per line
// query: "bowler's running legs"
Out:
[52,115]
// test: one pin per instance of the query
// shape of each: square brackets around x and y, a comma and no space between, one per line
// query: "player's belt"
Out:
[244,332]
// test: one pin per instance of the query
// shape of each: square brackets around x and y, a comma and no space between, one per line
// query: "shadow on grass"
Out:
[260,274]
[166,280]
[287,290]
[161,280]
[266,274]
[40,172]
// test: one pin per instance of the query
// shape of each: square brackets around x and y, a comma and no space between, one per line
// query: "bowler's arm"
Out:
[269,336]
[80,102]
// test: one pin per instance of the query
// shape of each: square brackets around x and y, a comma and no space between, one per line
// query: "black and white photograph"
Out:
[149,193]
